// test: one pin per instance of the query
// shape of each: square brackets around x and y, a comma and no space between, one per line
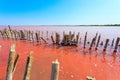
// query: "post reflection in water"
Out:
[84,52]
[104,54]
[114,55]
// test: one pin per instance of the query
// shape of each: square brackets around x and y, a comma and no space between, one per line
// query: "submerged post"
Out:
[10,63]
[28,67]
[93,40]
[107,40]
[112,42]
[85,39]
[116,45]
[55,70]
[98,42]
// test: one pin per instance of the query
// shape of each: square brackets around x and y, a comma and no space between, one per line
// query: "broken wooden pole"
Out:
[10,31]
[55,70]
[42,34]
[98,41]
[37,37]
[22,35]
[52,39]
[15,62]
[32,36]
[70,36]
[106,44]
[95,38]
[116,45]
[57,38]
[93,41]
[85,39]
[43,39]
[10,66]
[90,78]
[47,35]
[2,34]
[15,35]
[112,42]
[77,38]
[6,33]
[28,67]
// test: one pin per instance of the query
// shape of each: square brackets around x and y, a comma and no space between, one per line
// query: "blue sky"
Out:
[59,12]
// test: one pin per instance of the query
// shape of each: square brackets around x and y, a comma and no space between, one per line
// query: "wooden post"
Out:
[70,36]
[10,63]
[15,35]
[6,33]
[15,62]
[28,67]
[43,39]
[32,35]
[57,38]
[98,42]
[47,35]
[77,38]
[22,35]
[112,42]
[85,39]
[37,38]
[55,70]
[107,40]
[10,31]
[52,39]
[90,78]
[116,45]
[2,34]
[93,40]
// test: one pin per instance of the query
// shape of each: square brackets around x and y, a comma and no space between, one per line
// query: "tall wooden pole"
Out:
[85,39]
[55,70]
[98,41]
[93,40]
[10,63]
[106,44]
[116,45]
[28,67]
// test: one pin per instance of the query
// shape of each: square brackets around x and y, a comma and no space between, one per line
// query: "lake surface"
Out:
[75,63]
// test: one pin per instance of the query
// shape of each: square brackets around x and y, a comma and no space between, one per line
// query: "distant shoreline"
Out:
[106,25]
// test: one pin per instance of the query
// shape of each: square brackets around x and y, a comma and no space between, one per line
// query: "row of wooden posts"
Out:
[93,42]
[68,39]
[12,63]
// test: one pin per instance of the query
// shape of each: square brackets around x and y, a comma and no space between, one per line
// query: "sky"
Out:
[59,12]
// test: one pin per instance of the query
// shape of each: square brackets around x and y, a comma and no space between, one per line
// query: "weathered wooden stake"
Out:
[116,45]
[10,63]
[93,40]
[107,40]
[52,39]
[77,38]
[98,42]
[28,67]
[57,38]
[43,39]
[112,42]
[37,37]
[55,70]
[85,39]
[15,62]
[2,34]
[10,31]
